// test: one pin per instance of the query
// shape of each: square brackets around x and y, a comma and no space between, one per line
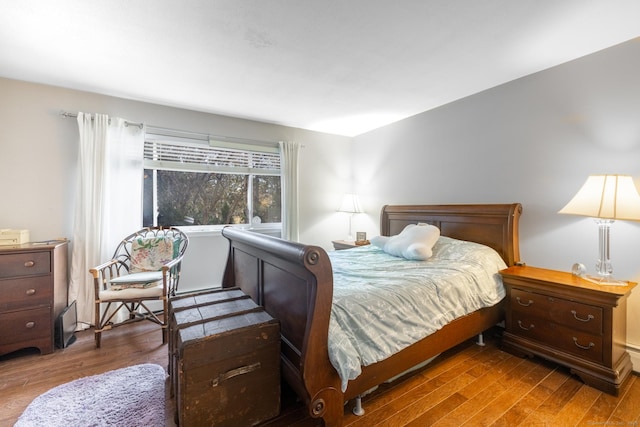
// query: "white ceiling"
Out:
[336,66]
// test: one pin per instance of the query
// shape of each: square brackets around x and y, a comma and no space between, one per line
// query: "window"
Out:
[198,181]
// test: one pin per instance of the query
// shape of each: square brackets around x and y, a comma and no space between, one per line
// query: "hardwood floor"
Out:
[466,386]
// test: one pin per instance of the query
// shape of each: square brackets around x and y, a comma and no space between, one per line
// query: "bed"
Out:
[294,283]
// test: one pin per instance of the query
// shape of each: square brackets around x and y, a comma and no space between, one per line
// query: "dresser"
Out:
[570,321]
[33,292]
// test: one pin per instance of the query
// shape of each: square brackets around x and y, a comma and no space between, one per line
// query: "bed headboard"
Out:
[494,225]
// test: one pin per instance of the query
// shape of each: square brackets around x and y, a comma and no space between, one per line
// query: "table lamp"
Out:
[351,205]
[606,198]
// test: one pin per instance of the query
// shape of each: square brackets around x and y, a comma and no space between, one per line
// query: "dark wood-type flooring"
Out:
[466,386]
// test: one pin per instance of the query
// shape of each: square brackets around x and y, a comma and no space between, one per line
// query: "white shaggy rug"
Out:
[132,396]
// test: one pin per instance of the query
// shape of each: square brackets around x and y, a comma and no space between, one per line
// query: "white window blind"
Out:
[190,154]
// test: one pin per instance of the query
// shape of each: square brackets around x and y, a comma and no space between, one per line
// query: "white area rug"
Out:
[131,397]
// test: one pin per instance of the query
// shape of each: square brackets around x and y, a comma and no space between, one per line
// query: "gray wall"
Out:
[533,141]
[38,154]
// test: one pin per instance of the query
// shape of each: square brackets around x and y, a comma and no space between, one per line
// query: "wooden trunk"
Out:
[190,301]
[227,362]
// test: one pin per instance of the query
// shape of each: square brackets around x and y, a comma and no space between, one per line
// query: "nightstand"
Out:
[571,321]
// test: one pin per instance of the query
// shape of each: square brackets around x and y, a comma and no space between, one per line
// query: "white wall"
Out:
[533,141]
[38,152]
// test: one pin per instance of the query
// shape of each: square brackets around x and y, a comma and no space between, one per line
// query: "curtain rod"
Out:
[195,135]
[67,115]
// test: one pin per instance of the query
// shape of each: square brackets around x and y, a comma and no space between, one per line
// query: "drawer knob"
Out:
[589,317]
[526,329]
[30,325]
[584,347]
[29,264]
[528,303]
[31,292]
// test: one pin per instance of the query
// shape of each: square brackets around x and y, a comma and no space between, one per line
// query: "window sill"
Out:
[216,230]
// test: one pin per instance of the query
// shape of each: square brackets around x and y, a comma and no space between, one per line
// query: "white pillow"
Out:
[379,241]
[415,242]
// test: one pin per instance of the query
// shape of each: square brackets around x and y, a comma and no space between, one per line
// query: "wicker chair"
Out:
[145,266]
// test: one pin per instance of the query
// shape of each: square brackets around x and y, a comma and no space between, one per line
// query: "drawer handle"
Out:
[526,329]
[30,292]
[234,373]
[29,264]
[584,347]
[30,325]
[589,317]
[523,304]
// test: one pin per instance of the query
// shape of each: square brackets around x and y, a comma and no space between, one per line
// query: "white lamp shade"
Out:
[606,196]
[350,204]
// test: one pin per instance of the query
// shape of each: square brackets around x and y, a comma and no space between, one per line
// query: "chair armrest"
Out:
[105,272]
[171,263]
[171,275]
[95,271]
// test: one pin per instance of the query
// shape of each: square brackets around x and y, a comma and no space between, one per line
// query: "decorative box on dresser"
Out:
[571,321]
[33,292]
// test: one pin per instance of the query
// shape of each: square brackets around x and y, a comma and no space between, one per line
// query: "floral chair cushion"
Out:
[150,254]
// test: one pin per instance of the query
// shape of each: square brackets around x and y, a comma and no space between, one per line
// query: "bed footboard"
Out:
[294,283]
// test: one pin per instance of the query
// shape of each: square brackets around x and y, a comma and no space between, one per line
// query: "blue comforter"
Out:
[382,304]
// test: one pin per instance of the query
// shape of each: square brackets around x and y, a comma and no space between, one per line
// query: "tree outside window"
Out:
[197,185]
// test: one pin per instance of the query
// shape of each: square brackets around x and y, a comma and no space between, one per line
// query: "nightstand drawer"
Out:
[25,264]
[572,314]
[587,346]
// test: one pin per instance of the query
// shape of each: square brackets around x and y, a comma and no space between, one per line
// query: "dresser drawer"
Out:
[572,314]
[25,264]
[585,345]
[28,292]
[25,325]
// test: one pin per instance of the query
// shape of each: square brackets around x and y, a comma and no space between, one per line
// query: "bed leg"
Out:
[480,339]
[357,410]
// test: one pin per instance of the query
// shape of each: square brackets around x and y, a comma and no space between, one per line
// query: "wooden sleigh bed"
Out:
[294,283]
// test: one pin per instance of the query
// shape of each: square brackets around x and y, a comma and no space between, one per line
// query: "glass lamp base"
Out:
[605,280]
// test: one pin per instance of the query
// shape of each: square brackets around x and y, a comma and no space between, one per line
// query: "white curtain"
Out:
[289,153]
[108,200]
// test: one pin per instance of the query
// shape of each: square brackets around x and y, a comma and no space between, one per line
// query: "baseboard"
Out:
[634,352]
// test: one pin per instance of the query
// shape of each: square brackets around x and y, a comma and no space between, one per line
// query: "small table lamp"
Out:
[606,198]
[351,205]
